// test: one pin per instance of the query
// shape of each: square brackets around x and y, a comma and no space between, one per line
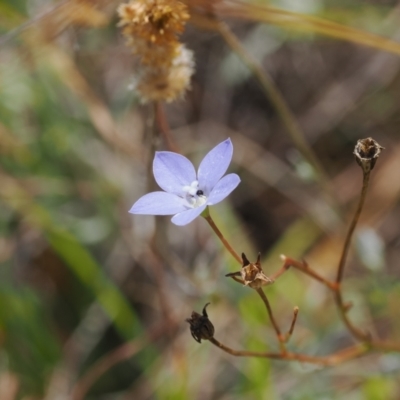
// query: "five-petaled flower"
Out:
[186,194]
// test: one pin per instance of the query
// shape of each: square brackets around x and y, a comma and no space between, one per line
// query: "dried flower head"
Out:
[367,152]
[151,28]
[155,21]
[252,273]
[167,82]
[200,326]
[152,55]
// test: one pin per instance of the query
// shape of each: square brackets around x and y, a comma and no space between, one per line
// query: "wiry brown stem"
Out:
[279,335]
[366,152]
[333,359]
[221,237]
[356,332]
[303,267]
[292,325]
[384,346]
[163,126]
[352,226]
[335,288]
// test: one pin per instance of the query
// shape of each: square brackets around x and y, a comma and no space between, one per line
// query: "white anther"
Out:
[192,188]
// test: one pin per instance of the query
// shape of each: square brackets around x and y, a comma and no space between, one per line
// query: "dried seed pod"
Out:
[367,152]
[252,273]
[200,326]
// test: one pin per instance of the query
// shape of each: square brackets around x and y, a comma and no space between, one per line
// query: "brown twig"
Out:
[214,227]
[279,335]
[384,346]
[366,152]
[292,325]
[333,286]
[333,359]
[163,126]
[303,267]
[356,332]
[352,227]
[159,124]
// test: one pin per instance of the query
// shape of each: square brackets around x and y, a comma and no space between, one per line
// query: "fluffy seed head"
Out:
[155,21]
[151,28]
[167,82]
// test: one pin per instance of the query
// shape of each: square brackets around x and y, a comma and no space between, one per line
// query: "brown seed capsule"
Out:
[252,273]
[200,326]
[367,152]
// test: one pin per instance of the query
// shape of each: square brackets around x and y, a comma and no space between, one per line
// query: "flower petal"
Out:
[173,171]
[214,165]
[223,188]
[158,203]
[185,217]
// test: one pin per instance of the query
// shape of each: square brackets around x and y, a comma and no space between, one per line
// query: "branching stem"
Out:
[367,152]
[281,338]
[303,267]
[357,333]
[291,329]
[333,359]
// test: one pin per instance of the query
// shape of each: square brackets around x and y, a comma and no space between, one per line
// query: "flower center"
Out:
[194,196]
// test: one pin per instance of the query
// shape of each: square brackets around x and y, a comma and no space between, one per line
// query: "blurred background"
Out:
[93,300]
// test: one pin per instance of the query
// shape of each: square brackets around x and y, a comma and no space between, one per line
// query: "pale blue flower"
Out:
[186,194]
